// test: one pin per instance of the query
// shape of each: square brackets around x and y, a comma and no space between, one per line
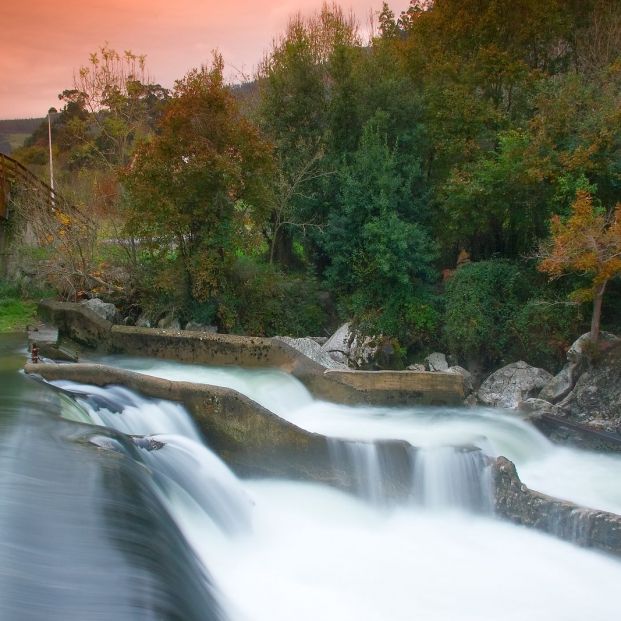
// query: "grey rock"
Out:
[511,384]
[436,362]
[143,321]
[105,310]
[311,349]
[347,347]
[538,406]
[169,322]
[318,339]
[338,345]
[468,382]
[597,393]
[560,385]
[417,367]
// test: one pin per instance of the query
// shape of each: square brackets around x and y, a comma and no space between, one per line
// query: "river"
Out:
[96,526]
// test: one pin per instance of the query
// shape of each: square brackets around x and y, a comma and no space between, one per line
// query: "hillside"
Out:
[13,132]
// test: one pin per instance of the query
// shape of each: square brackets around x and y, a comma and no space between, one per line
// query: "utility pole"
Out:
[49,135]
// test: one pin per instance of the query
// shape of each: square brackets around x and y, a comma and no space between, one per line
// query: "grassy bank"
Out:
[16,310]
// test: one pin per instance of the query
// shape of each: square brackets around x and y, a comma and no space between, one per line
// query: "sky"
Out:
[43,42]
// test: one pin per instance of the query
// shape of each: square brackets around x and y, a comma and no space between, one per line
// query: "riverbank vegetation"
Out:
[405,180]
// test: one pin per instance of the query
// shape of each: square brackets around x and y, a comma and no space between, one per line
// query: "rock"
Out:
[563,382]
[580,525]
[143,321]
[338,345]
[436,362]
[417,367]
[321,340]
[169,322]
[468,383]
[514,383]
[346,347]
[194,326]
[559,386]
[597,393]
[103,309]
[535,406]
[311,349]
[452,360]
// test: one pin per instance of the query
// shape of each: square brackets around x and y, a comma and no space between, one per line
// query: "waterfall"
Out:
[451,477]
[184,468]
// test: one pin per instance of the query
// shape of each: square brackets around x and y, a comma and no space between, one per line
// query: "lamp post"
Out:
[49,135]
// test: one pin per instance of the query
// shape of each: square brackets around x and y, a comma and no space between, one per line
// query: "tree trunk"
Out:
[597,312]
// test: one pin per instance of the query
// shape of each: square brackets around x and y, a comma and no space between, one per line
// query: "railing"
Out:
[13,173]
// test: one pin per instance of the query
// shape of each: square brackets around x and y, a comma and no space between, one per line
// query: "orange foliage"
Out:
[587,243]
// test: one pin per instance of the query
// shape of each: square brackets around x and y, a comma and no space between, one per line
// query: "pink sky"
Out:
[42,42]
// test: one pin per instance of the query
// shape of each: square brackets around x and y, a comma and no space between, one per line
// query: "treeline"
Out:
[403,182]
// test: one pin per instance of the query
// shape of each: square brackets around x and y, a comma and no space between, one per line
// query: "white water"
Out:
[584,477]
[312,553]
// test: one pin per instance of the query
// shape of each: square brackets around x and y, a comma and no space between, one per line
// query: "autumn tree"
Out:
[588,243]
[197,190]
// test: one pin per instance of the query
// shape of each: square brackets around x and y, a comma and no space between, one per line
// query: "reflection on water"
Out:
[82,533]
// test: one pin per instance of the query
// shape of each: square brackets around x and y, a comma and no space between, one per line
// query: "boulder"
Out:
[468,382]
[311,349]
[143,321]
[533,407]
[597,393]
[417,367]
[338,345]
[577,361]
[103,309]
[169,322]
[514,383]
[559,386]
[436,362]
[347,347]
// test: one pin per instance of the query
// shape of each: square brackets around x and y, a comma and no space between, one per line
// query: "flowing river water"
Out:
[97,525]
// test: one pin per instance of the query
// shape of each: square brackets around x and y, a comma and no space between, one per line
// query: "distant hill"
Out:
[13,133]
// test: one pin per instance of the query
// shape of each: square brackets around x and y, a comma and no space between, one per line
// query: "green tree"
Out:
[379,255]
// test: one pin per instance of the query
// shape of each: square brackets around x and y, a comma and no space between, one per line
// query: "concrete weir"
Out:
[249,438]
[580,525]
[81,325]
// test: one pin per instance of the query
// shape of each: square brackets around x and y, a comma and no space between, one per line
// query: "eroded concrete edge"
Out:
[586,527]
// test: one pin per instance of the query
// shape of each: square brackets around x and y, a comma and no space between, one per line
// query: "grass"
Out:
[15,314]
[16,310]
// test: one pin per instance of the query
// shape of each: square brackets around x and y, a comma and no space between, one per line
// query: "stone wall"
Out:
[566,520]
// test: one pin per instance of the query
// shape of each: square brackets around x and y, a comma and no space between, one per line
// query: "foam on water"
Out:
[583,477]
[315,553]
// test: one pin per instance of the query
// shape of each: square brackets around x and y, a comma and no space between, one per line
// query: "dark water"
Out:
[83,534]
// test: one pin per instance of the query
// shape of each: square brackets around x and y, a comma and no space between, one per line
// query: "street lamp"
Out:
[49,135]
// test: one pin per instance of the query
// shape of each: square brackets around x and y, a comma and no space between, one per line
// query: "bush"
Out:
[481,299]
[261,300]
[543,330]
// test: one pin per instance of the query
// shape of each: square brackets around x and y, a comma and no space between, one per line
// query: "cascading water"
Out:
[587,478]
[305,551]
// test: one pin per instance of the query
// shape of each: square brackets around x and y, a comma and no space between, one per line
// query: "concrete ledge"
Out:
[519,504]
[392,387]
[76,322]
[80,324]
